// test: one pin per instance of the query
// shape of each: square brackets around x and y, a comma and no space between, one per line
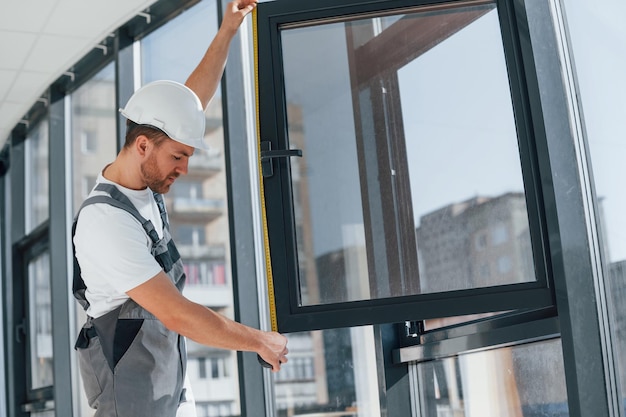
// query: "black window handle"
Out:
[267,154]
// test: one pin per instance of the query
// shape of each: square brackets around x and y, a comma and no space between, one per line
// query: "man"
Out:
[128,273]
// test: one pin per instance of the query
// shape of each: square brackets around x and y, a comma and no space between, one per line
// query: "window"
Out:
[197,204]
[524,380]
[603,92]
[332,371]
[481,241]
[412,173]
[40,323]
[94,145]
[89,181]
[205,273]
[504,264]
[32,315]
[214,409]
[212,367]
[188,189]
[89,141]
[194,235]
[37,177]
[93,126]
[202,374]
[499,234]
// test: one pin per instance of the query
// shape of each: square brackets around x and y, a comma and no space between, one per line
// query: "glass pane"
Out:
[43,414]
[198,210]
[410,181]
[40,322]
[94,135]
[599,73]
[329,373]
[36,175]
[525,380]
[94,145]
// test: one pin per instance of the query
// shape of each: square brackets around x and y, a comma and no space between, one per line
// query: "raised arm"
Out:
[207,75]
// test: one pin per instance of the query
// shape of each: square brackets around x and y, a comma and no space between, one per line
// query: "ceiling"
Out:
[41,39]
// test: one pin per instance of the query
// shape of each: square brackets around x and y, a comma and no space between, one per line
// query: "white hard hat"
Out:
[171,107]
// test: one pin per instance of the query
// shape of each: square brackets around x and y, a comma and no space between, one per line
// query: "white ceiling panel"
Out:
[42,39]
[7,78]
[26,15]
[7,112]
[28,84]
[14,48]
[47,55]
[95,18]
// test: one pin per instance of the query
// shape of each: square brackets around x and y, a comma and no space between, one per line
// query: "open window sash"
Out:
[398,168]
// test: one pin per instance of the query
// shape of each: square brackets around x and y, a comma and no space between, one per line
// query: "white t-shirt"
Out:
[113,249]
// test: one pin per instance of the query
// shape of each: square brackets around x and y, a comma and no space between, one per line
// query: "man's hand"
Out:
[274,350]
[235,12]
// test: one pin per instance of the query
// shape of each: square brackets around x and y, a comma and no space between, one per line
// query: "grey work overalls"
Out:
[131,364]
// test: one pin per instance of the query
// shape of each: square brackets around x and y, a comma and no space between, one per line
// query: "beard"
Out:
[153,177]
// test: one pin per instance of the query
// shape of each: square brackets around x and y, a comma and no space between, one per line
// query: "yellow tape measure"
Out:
[266,243]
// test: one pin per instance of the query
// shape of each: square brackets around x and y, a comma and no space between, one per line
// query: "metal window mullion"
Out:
[13,303]
[127,76]
[60,220]
[4,268]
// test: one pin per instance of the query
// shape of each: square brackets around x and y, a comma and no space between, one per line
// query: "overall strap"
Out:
[116,199]
[161,204]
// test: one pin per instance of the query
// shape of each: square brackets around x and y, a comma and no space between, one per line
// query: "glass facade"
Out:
[94,145]
[197,207]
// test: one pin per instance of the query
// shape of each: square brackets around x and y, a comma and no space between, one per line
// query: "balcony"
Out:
[194,209]
[205,163]
[201,251]
[212,296]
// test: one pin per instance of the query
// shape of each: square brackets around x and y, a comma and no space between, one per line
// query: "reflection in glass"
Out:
[602,89]
[37,176]
[40,322]
[329,373]
[197,208]
[608,153]
[410,180]
[94,145]
[520,381]
[43,414]
[93,131]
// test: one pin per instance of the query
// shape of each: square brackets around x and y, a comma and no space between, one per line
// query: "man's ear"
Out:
[142,144]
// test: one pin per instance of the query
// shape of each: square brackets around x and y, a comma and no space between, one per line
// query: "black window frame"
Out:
[28,248]
[288,315]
